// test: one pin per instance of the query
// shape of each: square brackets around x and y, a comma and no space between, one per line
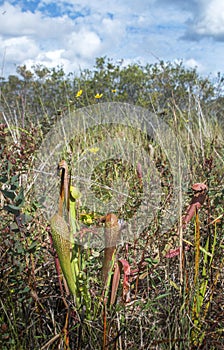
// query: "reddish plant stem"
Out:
[200,192]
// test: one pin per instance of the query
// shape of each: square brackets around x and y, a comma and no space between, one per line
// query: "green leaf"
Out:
[32,246]
[11,208]
[3,179]
[9,194]
[19,200]
[14,179]
[25,290]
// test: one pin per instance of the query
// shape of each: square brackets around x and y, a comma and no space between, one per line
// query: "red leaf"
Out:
[200,191]
[198,199]
[126,284]
[173,252]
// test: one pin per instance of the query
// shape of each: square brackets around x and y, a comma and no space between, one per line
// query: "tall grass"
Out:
[173,304]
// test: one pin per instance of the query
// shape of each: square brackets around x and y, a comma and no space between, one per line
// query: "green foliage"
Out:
[39,96]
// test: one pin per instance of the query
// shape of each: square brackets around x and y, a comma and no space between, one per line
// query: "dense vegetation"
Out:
[171,305]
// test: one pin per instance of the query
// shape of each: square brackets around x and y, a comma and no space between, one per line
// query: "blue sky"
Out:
[73,33]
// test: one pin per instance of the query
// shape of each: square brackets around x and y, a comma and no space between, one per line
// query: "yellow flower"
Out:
[79,93]
[89,220]
[86,218]
[114,90]
[98,95]
[94,149]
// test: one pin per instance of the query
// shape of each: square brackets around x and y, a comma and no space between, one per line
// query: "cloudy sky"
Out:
[73,33]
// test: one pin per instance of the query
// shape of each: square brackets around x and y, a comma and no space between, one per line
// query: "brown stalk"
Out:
[63,167]
[110,240]
[197,247]
[110,236]
[115,283]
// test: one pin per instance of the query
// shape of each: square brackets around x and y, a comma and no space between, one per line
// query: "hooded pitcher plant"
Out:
[62,236]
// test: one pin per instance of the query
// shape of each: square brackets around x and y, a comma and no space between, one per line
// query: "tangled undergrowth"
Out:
[160,301]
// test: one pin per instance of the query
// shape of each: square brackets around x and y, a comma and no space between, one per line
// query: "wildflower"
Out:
[98,95]
[79,93]
[114,90]
[94,149]
[89,220]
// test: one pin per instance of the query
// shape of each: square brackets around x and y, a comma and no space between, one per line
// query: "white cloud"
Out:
[77,32]
[192,63]
[210,21]
[204,17]
[49,59]
[16,23]
[84,43]
[18,49]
